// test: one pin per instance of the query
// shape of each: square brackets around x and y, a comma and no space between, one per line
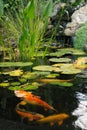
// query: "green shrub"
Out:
[81,37]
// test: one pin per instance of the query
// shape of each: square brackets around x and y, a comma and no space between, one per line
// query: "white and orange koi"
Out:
[33,99]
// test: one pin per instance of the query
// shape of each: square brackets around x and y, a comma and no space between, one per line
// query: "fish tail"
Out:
[54,109]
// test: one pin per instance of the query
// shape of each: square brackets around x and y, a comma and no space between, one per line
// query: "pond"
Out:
[60,85]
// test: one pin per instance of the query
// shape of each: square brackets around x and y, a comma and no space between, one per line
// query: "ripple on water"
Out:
[81,111]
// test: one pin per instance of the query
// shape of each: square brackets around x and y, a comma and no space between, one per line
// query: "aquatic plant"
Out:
[33,28]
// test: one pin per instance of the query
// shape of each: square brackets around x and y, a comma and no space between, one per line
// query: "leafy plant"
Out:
[1,8]
[33,27]
[81,37]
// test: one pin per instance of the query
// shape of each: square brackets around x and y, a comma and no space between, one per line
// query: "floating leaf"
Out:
[23,87]
[12,64]
[16,73]
[29,75]
[60,60]
[22,80]
[58,65]
[39,73]
[30,87]
[15,83]
[72,51]
[43,68]
[69,69]
[52,75]
[57,54]
[65,84]
[4,84]
[14,88]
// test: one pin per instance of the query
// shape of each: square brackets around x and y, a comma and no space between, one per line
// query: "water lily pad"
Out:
[64,84]
[72,51]
[60,60]
[29,75]
[43,68]
[41,73]
[22,80]
[14,88]
[16,73]
[24,87]
[69,69]
[59,53]
[52,75]
[15,83]
[4,84]
[12,64]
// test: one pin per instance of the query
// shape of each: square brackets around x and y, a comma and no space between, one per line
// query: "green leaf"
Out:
[64,84]
[1,8]
[29,11]
[61,60]
[48,9]
[12,64]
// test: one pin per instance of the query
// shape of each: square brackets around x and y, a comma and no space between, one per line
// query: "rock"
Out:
[78,18]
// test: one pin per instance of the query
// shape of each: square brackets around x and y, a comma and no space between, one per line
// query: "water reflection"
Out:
[81,111]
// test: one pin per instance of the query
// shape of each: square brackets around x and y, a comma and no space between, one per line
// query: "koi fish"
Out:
[53,119]
[33,99]
[31,116]
[54,80]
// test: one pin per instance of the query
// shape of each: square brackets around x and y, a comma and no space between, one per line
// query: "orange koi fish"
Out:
[53,119]
[31,116]
[32,99]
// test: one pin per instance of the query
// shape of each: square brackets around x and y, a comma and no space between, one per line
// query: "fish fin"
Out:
[29,92]
[60,122]
[51,123]
[22,103]
[30,119]
[45,109]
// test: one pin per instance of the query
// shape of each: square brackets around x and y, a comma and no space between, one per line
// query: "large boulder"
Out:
[77,19]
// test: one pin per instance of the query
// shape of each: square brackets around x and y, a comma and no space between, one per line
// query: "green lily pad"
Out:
[69,69]
[29,75]
[64,84]
[26,87]
[60,60]
[16,73]
[15,83]
[52,75]
[22,80]
[41,73]
[72,51]
[57,54]
[43,68]
[14,88]
[15,64]
[4,84]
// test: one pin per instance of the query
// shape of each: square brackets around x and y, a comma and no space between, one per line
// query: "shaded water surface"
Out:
[70,100]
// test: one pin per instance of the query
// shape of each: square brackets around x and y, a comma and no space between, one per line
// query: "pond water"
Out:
[71,100]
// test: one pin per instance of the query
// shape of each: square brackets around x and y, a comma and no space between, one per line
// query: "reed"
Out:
[34,24]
